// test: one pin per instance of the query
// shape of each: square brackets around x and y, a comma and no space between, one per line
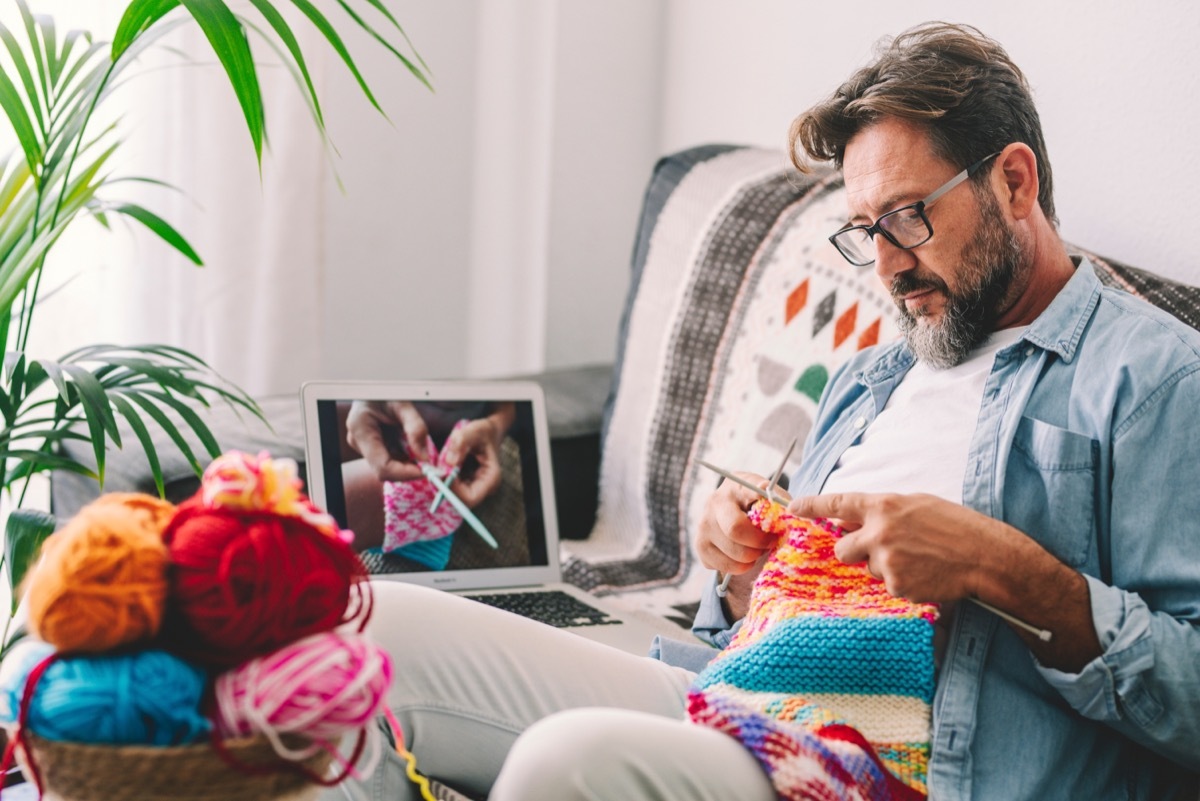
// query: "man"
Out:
[1030,443]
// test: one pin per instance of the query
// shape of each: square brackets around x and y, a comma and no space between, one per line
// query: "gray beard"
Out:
[991,261]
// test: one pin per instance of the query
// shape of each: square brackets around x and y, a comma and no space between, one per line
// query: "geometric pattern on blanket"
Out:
[739,311]
[830,680]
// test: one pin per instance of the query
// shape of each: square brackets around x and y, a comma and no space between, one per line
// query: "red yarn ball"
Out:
[246,583]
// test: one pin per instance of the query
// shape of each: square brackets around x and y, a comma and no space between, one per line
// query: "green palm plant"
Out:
[50,89]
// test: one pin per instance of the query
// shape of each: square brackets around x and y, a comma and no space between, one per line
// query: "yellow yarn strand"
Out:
[411,771]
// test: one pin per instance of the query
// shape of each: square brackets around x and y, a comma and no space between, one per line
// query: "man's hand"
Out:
[481,439]
[728,542]
[927,549]
[391,436]
[922,547]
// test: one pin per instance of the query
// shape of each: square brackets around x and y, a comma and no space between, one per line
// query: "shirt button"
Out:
[860,423]
[1029,351]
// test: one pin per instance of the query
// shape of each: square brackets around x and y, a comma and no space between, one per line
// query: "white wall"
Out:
[1116,84]
[489,232]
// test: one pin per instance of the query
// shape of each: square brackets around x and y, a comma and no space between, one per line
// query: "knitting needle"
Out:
[723,587]
[437,499]
[431,473]
[1042,634]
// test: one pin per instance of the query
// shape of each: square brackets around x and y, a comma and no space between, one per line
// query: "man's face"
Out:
[951,289]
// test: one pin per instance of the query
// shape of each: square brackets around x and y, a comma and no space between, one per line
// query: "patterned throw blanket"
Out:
[830,681]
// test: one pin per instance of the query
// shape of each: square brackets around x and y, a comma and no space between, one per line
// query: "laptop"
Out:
[498,542]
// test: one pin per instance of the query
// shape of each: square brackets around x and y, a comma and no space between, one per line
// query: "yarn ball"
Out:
[102,579]
[133,698]
[245,582]
[322,686]
[14,670]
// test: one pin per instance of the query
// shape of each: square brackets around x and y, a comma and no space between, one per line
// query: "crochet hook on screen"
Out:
[1042,634]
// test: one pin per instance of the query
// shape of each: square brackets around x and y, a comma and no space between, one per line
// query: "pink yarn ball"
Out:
[321,687]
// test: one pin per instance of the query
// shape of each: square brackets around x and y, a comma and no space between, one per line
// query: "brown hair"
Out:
[953,80]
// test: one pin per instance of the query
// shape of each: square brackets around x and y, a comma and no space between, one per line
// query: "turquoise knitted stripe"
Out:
[812,654]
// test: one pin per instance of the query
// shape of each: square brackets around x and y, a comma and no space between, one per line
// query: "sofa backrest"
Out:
[738,311]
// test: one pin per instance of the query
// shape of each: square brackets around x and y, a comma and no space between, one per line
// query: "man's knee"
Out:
[575,754]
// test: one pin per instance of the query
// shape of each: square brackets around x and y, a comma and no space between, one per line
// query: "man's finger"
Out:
[846,506]
[851,549]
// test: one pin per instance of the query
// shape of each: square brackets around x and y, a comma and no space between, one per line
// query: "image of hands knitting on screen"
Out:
[417,472]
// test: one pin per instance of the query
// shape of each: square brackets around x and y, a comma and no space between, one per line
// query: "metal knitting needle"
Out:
[723,587]
[1042,634]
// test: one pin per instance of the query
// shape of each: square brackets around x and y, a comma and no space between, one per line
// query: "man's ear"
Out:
[1018,171]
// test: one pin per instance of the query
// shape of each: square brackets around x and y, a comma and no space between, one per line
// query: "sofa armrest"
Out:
[575,401]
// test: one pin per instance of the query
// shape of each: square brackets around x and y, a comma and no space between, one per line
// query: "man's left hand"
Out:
[922,547]
[930,550]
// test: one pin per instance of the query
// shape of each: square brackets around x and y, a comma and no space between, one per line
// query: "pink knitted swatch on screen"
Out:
[407,518]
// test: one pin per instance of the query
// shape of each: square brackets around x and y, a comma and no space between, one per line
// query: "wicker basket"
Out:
[81,772]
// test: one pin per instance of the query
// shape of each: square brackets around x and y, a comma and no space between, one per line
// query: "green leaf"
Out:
[64,55]
[160,227]
[15,182]
[22,67]
[39,462]
[55,373]
[24,534]
[18,117]
[276,20]
[335,41]
[93,396]
[165,424]
[143,434]
[34,44]
[383,10]
[139,16]
[228,40]
[198,426]
[420,76]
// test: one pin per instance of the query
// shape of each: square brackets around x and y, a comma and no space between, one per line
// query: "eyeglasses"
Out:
[906,227]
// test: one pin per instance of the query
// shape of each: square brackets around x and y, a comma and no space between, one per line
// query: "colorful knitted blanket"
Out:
[830,681]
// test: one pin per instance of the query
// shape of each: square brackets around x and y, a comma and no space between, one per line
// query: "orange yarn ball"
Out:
[102,579]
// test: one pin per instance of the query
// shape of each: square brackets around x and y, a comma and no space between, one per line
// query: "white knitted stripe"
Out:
[880,718]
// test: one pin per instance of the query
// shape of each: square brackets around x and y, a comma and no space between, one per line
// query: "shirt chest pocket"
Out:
[1050,489]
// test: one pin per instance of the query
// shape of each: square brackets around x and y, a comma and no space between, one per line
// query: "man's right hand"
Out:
[729,543]
[391,436]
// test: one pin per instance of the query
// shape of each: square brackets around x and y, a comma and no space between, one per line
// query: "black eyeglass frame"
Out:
[920,207]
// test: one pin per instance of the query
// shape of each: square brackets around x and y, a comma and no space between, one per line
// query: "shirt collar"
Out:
[1059,327]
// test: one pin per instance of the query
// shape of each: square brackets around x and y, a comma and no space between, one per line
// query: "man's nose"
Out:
[891,260]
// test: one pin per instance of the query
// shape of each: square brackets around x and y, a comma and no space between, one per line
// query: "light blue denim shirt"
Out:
[1088,440]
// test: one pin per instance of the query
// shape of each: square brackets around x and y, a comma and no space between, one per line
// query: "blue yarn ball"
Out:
[22,658]
[141,698]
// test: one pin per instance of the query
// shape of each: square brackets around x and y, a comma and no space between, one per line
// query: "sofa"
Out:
[738,311]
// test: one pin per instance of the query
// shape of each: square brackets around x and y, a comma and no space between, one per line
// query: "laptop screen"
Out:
[442,484]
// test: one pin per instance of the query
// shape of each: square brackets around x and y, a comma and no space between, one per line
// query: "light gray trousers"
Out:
[496,704]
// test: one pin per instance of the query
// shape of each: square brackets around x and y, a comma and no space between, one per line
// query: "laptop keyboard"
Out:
[553,607]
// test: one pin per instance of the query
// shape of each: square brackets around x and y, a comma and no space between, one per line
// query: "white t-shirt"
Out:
[920,441]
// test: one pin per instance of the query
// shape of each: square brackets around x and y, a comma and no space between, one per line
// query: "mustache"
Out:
[907,283]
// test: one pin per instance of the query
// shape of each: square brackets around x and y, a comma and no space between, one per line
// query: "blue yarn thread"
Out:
[141,698]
